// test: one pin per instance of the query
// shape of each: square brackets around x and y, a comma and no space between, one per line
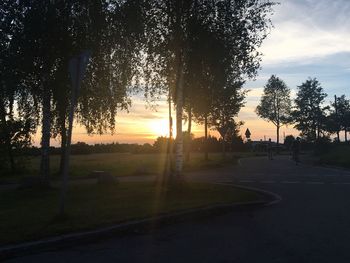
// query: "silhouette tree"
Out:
[241,25]
[309,114]
[288,141]
[234,138]
[16,122]
[338,118]
[43,50]
[227,103]
[275,104]
[110,29]
[213,96]
[208,64]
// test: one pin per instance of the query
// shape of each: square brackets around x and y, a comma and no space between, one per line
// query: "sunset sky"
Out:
[310,38]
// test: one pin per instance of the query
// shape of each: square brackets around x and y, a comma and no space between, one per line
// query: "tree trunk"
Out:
[179,137]
[278,139]
[189,127]
[223,149]
[65,171]
[63,141]
[206,138]
[7,137]
[345,135]
[169,160]
[11,158]
[45,139]
[338,136]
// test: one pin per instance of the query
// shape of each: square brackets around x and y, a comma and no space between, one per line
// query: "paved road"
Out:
[310,224]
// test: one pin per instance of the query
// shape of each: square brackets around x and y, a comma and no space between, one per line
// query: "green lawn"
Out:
[29,214]
[337,156]
[118,164]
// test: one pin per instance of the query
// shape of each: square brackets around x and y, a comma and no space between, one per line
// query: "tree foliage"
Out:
[309,113]
[195,47]
[275,103]
[339,116]
[53,32]
[17,108]
[200,50]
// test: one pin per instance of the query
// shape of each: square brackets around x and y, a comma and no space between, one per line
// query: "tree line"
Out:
[198,53]
[160,145]
[309,113]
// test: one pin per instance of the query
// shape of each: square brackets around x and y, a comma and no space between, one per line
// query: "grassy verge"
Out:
[29,215]
[337,156]
[123,164]
[118,164]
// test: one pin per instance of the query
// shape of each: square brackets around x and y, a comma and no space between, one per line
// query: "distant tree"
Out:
[233,137]
[211,144]
[309,114]
[161,144]
[288,141]
[275,104]
[347,125]
[338,118]
[333,125]
[226,105]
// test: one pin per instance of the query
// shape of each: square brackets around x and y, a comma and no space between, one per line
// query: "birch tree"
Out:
[242,25]
[275,104]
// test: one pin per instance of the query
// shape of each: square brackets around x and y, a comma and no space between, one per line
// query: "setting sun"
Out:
[159,127]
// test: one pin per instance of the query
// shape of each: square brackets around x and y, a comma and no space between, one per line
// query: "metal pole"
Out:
[69,140]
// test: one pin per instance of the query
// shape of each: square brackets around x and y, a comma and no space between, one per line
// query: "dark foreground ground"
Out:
[310,224]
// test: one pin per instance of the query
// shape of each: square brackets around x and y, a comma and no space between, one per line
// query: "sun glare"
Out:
[159,127]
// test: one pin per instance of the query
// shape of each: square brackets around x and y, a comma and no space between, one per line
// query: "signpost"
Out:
[223,131]
[77,68]
[248,134]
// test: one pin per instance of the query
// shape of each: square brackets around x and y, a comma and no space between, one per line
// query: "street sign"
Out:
[77,68]
[247,133]
[223,130]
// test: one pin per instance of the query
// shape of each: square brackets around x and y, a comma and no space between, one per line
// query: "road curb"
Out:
[274,198]
[135,226]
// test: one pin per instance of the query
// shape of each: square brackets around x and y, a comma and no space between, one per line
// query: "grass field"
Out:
[118,164]
[30,214]
[338,156]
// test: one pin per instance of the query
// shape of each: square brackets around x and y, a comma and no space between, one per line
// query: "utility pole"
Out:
[336,116]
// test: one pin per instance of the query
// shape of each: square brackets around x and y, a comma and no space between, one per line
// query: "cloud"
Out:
[308,29]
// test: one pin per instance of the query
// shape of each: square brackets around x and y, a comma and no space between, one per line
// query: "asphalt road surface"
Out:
[310,224]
